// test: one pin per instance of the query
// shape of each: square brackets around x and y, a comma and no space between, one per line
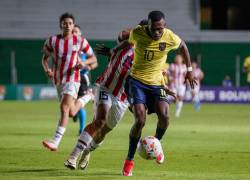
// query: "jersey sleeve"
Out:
[47,47]
[175,40]
[86,48]
[133,36]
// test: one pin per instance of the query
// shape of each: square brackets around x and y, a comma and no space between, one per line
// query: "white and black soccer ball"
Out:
[149,148]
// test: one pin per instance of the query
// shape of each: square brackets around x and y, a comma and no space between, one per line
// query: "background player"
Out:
[177,73]
[65,48]
[85,83]
[198,75]
[144,85]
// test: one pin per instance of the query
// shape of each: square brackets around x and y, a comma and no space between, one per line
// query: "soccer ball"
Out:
[149,148]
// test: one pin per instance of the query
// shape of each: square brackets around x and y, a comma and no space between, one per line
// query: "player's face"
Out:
[178,59]
[67,26]
[194,65]
[77,31]
[157,28]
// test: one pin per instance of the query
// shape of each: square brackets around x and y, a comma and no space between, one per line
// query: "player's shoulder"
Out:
[168,33]
[247,59]
[139,29]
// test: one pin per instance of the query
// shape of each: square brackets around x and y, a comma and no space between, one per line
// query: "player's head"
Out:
[67,22]
[178,59]
[194,64]
[156,23]
[77,30]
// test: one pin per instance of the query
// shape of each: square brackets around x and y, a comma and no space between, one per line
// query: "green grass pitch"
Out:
[211,144]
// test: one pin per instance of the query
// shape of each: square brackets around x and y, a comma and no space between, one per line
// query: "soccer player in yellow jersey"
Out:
[144,85]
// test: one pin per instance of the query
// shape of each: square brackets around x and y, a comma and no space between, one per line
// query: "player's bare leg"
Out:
[134,137]
[162,111]
[67,101]
[79,103]
[86,137]
[97,141]
[179,104]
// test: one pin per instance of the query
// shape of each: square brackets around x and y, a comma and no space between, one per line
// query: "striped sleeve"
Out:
[86,48]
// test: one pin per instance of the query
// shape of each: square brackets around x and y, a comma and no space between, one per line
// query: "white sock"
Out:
[58,135]
[179,105]
[83,142]
[85,99]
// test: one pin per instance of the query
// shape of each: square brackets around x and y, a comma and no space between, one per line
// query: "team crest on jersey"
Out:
[162,46]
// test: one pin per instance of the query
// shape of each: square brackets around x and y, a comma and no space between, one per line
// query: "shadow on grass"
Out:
[29,170]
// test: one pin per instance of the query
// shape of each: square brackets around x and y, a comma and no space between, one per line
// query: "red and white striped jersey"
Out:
[197,73]
[65,53]
[177,74]
[114,76]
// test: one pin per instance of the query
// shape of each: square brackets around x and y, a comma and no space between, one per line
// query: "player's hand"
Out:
[190,79]
[81,65]
[49,73]
[169,92]
[102,50]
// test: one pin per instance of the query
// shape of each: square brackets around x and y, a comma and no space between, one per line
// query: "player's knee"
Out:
[72,113]
[64,108]
[164,119]
[140,123]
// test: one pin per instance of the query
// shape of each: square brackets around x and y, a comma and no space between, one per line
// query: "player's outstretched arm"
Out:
[120,46]
[185,54]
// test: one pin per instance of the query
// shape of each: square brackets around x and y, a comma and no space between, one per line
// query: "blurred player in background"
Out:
[246,69]
[65,49]
[85,83]
[177,73]
[198,75]
[110,104]
[144,86]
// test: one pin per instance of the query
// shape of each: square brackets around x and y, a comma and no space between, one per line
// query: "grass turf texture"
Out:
[211,144]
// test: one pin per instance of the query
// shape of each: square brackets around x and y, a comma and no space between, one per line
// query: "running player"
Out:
[110,104]
[198,75]
[144,85]
[85,84]
[65,49]
[177,73]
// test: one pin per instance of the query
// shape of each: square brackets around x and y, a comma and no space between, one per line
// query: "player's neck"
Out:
[67,35]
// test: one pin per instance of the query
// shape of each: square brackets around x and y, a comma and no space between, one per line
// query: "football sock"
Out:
[179,105]
[85,99]
[83,141]
[132,147]
[93,145]
[159,132]
[58,135]
[82,119]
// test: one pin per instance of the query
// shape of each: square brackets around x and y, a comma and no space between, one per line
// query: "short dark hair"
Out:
[64,16]
[156,16]
[77,26]
[143,22]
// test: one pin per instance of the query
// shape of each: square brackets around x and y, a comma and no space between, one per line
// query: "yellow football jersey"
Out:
[150,55]
[247,66]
